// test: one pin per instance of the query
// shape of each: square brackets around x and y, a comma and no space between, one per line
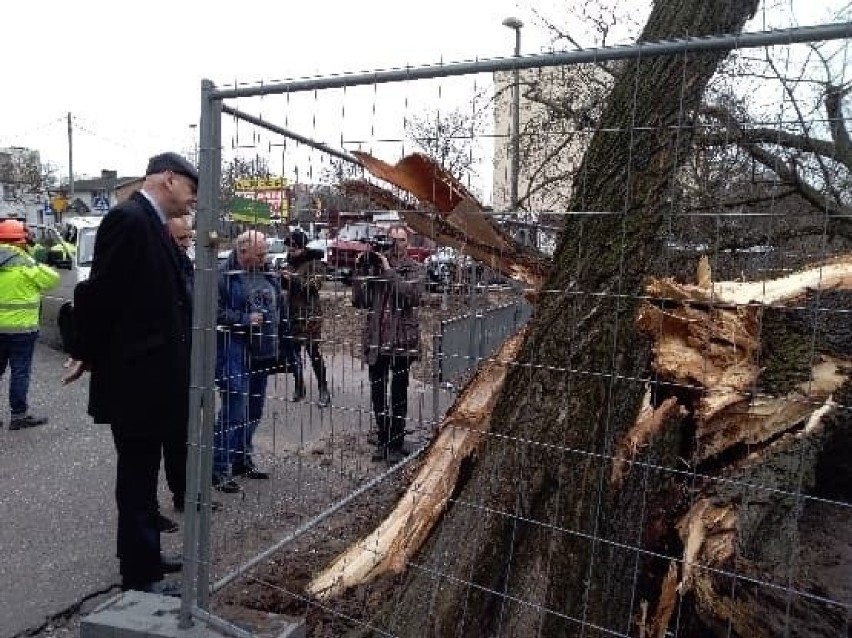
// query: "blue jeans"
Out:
[242,394]
[16,350]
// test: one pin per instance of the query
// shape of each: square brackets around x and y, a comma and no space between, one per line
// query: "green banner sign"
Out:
[249,210]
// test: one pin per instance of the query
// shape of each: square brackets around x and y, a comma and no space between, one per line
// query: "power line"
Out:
[36,129]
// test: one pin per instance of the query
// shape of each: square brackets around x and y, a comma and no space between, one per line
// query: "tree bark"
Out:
[536,541]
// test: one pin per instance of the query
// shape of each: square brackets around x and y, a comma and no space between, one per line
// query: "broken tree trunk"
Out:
[700,333]
[537,541]
[762,409]
[460,221]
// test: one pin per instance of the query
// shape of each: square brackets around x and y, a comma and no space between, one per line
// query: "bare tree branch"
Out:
[840,134]
[826,174]
[745,201]
[790,175]
[736,133]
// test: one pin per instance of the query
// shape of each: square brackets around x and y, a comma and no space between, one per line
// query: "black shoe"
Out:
[160,587]
[254,473]
[381,454]
[215,506]
[226,485]
[298,395]
[26,421]
[403,449]
[324,398]
[166,525]
[395,456]
[171,563]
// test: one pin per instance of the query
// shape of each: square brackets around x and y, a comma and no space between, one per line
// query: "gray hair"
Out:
[249,238]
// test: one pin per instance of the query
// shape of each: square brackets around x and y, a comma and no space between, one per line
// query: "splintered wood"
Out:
[707,345]
[396,540]
[706,355]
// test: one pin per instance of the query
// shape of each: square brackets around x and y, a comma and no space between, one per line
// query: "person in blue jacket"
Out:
[247,345]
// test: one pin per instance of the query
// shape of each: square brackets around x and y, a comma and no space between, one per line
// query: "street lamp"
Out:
[193,128]
[516,25]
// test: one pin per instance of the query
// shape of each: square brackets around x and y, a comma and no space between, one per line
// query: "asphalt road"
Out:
[56,502]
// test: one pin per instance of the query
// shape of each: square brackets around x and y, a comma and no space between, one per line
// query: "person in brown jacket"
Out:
[389,284]
[302,281]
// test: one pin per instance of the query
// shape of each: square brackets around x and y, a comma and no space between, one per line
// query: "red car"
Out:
[340,255]
[420,253]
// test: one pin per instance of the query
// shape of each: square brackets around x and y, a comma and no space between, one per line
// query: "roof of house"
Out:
[100,183]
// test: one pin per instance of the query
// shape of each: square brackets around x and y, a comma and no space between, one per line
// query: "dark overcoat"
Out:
[132,319]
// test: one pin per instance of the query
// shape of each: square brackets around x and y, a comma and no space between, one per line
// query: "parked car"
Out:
[276,253]
[447,266]
[57,306]
[320,245]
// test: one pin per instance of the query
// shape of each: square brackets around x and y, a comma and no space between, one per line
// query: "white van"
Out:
[78,236]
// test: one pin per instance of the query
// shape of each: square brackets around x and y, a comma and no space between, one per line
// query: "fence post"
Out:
[437,360]
[202,399]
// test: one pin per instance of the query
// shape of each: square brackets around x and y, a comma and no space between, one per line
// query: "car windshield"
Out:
[275,245]
[86,246]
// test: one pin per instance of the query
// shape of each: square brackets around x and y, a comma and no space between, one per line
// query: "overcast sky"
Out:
[130,73]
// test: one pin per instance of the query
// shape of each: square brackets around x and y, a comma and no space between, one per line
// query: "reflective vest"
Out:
[22,281]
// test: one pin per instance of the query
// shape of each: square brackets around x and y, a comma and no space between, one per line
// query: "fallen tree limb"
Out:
[460,221]
[401,534]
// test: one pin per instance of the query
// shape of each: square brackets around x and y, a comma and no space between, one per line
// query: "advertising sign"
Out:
[270,191]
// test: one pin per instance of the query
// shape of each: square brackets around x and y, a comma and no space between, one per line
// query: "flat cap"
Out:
[171,162]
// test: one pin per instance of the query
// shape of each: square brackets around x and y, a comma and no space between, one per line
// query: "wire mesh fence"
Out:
[659,451]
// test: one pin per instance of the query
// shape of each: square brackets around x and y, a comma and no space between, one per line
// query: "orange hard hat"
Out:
[11,230]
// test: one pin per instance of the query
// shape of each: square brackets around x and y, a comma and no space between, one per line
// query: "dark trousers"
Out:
[174,463]
[16,351]
[312,347]
[390,422]
[136,497]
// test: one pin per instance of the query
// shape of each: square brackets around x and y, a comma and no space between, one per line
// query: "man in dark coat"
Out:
[132,334]
[389,286]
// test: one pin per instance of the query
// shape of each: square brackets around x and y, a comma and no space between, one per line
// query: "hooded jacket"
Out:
[306,274]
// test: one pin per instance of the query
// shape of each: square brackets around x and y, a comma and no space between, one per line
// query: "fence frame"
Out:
[202,401]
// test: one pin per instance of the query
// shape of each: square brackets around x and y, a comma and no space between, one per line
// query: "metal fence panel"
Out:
[465,341]
[319,454]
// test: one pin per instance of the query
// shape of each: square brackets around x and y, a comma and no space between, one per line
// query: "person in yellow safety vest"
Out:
[60,252]
[22,282]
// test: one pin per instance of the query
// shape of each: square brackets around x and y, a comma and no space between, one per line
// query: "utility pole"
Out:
[70,161]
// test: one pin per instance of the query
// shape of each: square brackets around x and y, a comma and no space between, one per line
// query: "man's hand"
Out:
[76,370]
[256,318]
